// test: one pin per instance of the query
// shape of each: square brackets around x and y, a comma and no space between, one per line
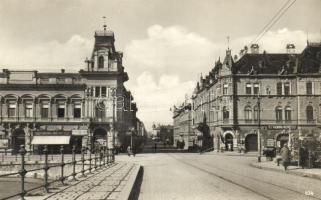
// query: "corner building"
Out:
[91,106]
[278,95]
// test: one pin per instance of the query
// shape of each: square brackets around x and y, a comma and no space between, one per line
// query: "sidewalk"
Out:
[295,170]
[113,182]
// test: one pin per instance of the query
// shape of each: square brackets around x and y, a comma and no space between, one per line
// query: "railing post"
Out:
[107,155]
[95,149]
[62,164]
[104,155]
[22,171]
[46,168]
[90,159]
[100,155]
[83,149]
[73,163]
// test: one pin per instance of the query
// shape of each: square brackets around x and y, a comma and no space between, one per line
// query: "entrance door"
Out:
[229,142]
[282,139]
[251,142]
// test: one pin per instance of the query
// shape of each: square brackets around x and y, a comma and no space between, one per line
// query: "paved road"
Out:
[212,176]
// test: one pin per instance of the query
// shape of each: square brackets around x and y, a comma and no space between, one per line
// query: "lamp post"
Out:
[259,127]
[114,105]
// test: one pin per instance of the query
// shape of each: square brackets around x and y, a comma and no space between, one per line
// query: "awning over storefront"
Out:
[50,140]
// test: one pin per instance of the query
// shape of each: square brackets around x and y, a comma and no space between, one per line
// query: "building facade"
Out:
[265,98]
[84,108]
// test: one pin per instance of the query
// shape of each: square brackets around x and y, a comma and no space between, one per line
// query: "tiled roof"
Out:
[265,63]
[310,59]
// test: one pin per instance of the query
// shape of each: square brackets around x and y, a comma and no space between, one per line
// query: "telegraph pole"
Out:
[259,128]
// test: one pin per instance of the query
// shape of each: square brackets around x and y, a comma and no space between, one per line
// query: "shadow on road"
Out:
[134,195]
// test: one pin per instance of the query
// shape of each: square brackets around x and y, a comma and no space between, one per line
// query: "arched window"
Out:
[101,62]
[278,114]
[226,113]
[309,114]
[248,113]
[288,114]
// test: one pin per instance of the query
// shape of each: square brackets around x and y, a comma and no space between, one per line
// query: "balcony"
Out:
[278,122]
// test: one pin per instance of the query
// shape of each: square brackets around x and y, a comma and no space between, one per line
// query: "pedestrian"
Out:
[129,151]
[155,147]
[285,154]
[303,156]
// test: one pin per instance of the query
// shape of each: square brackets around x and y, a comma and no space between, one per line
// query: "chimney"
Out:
[255,49]
[290,48]
[62,71]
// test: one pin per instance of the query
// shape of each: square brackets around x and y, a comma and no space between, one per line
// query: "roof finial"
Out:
[105,26]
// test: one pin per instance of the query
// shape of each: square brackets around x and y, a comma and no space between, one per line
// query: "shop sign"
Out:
[280,127]
[79,132]
[270,142]
[4,143]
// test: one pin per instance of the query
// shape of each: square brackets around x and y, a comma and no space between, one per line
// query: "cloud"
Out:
[45,56]
[155,98]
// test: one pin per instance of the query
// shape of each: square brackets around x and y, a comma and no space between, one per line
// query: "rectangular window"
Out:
[256,88]
[225,87]
[286,88]
[309,88]
[248,89]
[288,115]
[103,91]
[44,111]
[97,91]
[61,111]
[248,115]
[278,113]
[12,110]
[279,88]
[256,114]
[28,111]
[77,111]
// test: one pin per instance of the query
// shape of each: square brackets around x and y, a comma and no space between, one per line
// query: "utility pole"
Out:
[259,128]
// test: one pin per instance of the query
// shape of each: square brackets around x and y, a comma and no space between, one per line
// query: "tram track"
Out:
[242,177]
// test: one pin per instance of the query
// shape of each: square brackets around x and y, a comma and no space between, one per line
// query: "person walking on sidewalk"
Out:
[285,154]
[129,151]
[303,156]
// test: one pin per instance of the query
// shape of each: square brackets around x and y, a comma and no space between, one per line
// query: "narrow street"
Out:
[217,176]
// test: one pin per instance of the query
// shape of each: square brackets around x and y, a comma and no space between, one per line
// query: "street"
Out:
[217,176]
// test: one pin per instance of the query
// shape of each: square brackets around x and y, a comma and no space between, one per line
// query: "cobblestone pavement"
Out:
[221,176]
[106,183]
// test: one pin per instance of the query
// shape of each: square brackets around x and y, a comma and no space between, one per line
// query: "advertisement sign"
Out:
[4,143]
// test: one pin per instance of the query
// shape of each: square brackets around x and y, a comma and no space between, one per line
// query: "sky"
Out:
[167,44]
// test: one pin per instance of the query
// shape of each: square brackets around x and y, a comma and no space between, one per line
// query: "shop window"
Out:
[44,111]
[278,112]
[256,88]
[97,91]
[77,110]
[248,88]
[288,114]
[28,111]
[12,110]
[101,62]
[286,88]
[61,111]
[103,91]
[309,88]
[309,111]
[279,88]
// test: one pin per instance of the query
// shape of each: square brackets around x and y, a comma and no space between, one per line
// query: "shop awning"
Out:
[50,140]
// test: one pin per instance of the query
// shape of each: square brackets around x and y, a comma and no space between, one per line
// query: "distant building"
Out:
[80,109]
[276,94]
[164,133]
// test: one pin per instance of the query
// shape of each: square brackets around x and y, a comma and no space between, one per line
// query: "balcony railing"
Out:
[281,122]
[40,119]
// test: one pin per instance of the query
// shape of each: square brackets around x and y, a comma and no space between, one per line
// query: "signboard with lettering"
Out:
[4,143]
[270,142]
[278,127]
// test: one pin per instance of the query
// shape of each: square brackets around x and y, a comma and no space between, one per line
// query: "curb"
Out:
[302,174]
[127,190]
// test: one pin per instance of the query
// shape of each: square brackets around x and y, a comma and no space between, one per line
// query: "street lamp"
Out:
[259,127]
